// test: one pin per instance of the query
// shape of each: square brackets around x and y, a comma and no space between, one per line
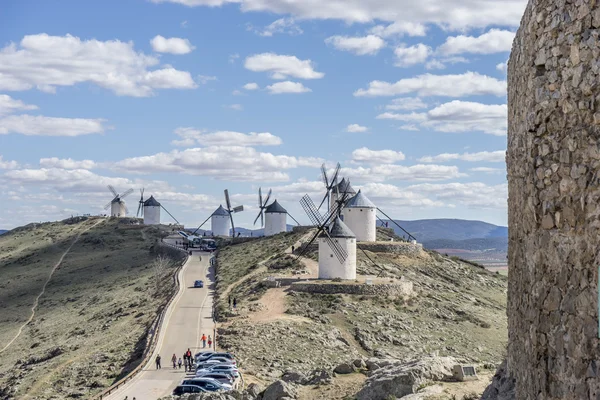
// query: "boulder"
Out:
[252,392]
[502,386]
[279,390]
[319,377]
[401,379]
[293,377]
[359,363]
[344,368]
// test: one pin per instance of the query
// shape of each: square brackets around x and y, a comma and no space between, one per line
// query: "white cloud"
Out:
[472,194]
[282,25]
[440,63]
[8,105]
[236,107]
[409,56]
[287,87]
[204,79]
[487,156]
[67,163]
[191,136]
[282,66]
[251,86]
[406,103]
[361,46]
[354,128]
[173,45]
[399,28]
[467,84]
[235,163]
[502,67]
[493,41]
[367,155]
[45,62]
[488,170]
[30,125]
[409,127]
[8,164]
[459,116]
[454,14]
[391,195]
[419,172]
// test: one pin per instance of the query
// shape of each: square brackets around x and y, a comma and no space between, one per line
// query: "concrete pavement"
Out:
[189,317]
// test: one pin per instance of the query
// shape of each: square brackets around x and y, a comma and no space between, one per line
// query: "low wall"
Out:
[404,248]
[401,288]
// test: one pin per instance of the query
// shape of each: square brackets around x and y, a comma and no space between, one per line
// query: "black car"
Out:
[208,384]
[181,389]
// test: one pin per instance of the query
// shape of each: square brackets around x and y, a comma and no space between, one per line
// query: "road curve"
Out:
[189,316]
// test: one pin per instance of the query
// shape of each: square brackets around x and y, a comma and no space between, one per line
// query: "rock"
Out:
[359,363]
[401,379]
[252,391]
[319,377]
[279,390]
[502,386]
[293,377]
[344,368]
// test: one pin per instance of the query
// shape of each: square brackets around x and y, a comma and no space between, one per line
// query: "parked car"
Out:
[227,369]
[203,354]
[199,283]
[181,389]
[208,384]
[225,379]
[211,355]
[212,362]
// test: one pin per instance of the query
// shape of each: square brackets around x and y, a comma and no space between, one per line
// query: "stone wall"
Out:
[404,248]
[402,288]
[553,162]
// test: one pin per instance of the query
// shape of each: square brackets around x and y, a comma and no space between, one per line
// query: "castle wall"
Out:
[553,160]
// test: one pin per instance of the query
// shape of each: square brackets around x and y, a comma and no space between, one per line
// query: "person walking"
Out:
[235,303]
[203,340]
[158,361]
[209,341]
[185,362]
[179,363]
[174,360]
[230,302]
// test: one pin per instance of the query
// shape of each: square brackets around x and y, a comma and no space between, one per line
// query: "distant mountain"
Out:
[2,231]
[426,230]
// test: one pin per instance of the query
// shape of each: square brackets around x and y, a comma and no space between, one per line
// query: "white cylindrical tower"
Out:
[151,211]
[117,208]
[220,222]
[330,266]
[342,188]
[275,219]
[360,215]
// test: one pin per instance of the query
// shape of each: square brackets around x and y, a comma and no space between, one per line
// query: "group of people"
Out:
[187,361]
[210,341]
[234,303]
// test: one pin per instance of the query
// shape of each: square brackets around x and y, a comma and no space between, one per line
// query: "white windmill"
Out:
[117,205]
[273,217]
[150,210]
[222,219]
[360,215]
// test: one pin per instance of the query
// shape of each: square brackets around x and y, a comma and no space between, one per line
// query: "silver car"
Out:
[225,369]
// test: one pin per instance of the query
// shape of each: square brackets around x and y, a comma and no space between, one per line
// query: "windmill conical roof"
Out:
[339,229]
[151,202]
[221,211]
[359,200]
[275,207]
[344,187]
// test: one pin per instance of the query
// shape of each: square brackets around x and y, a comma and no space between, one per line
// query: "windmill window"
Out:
[361,210]
[331,255]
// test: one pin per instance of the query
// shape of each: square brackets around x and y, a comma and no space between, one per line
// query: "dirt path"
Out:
[273,303]
[37,299]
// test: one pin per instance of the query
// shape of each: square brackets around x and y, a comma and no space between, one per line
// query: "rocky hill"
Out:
[98,295]
[456,309]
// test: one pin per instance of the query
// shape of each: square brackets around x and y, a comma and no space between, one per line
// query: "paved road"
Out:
[190,317]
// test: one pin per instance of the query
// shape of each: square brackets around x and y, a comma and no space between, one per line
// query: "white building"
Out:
[275,219]
[341,188]
[330,266]
[360,215]
[117,208]
[151,211]
[220,222]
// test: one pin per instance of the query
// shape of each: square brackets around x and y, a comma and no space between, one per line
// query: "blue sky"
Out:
[189,97]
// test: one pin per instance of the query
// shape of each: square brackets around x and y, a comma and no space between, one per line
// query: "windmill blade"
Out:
[259,216]
[227,202]
[238,209]
[324,176]
[335,174]
[305,248]
[113,191]
[127,193]
[326,197]
[260,202]
[108,205]
[311,210]
[171,215]
[268,197]
[410,237]
[382,221]
[232,225]
[335,247]
[290,215]
[205,221]
[137,214]
[262,220]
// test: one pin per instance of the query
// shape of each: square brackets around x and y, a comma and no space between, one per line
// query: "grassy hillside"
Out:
[91,322]
[458,309]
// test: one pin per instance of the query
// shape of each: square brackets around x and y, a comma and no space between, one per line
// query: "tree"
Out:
[159,266]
